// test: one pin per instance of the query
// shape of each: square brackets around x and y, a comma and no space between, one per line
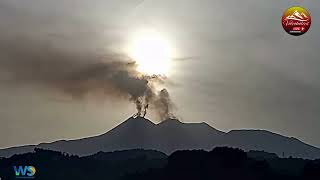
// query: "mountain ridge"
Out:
[171,135]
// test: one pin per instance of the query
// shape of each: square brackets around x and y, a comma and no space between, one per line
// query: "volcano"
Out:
[171,135]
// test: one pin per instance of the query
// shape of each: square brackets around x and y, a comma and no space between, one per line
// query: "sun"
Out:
[152,53]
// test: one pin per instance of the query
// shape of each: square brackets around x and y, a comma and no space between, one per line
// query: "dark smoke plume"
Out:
[77,74]
[65,53]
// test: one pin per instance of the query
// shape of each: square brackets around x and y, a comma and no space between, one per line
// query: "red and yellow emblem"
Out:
[296,20]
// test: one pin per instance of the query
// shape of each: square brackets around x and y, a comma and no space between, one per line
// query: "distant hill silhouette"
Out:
[261,155]
[229,163]
[138,164]
[171,135]
[52,165]
[270,142]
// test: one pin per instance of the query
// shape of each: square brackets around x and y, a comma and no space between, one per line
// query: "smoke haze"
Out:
[79,74]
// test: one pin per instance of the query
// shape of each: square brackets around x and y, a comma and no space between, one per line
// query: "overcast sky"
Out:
[242,70]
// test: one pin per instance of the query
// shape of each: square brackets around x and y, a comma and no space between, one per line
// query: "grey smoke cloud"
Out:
[68,55]
[77,74]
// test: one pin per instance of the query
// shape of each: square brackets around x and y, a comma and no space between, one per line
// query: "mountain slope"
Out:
[270,142]
[171,135]
[131,134]
[167,136]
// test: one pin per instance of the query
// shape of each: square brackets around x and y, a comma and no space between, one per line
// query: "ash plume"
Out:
[77,74]
[164,104]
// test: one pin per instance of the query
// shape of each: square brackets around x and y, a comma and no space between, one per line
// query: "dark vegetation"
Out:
[59,166]
[220,163]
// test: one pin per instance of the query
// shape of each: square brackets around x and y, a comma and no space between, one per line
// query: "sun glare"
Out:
[151,52]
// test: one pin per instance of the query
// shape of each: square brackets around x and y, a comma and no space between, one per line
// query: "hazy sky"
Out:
[243,70]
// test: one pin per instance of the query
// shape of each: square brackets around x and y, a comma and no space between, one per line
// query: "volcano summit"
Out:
[171,135]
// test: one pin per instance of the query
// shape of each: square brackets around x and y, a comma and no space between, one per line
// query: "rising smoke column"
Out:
[65,53]
[78,74]
[164,104]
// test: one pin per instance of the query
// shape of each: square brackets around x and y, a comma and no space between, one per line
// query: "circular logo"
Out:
[296,21]
[33,170]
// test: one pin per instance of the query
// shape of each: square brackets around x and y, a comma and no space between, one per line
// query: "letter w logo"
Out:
[20,170]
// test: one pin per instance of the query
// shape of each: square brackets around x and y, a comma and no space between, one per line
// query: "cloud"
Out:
[72,64]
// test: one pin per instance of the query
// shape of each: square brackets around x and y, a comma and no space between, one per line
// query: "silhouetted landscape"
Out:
[219,163]
[171,135]
[140,149]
